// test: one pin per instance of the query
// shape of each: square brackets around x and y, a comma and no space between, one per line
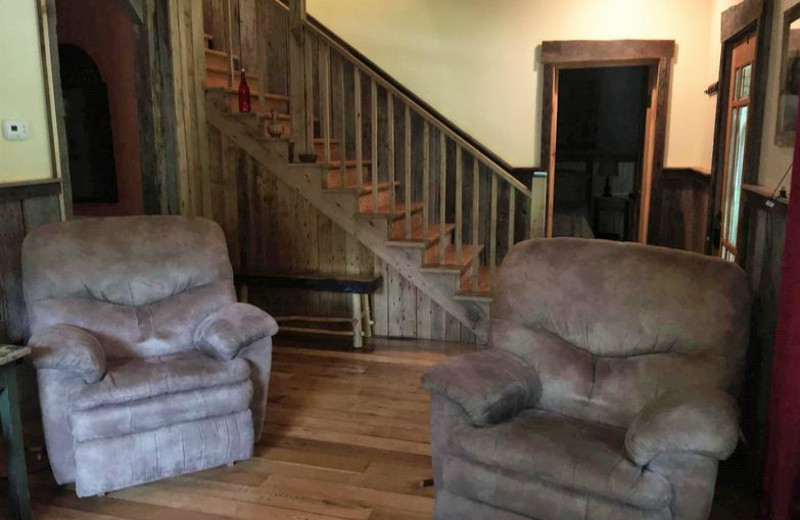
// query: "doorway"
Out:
[602,117]
[633,178]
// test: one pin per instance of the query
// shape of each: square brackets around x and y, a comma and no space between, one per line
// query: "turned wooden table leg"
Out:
[358,320]
[367,316]
[15,449]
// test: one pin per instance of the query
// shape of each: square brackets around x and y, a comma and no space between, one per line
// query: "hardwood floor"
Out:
[346,438]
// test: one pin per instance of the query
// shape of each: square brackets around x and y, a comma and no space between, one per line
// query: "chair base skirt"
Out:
[109,464]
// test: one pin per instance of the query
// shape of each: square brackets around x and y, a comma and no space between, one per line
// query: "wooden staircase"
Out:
[403,193]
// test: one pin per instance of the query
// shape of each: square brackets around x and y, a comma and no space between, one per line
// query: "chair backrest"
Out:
[610,325]
[140,284]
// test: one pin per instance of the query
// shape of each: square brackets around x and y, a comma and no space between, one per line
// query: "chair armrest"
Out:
[701,421]
[69,349]
[491,386]
[224,333]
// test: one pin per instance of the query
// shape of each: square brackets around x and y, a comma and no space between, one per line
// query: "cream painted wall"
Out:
[22,93]
[774,159]
[477,61]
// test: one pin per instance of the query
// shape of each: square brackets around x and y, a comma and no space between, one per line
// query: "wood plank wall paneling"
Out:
[684,210]
[762,234]
[17,218]
[188,62]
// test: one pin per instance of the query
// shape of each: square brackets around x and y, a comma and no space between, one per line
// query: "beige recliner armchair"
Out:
[147,367]
[606,393]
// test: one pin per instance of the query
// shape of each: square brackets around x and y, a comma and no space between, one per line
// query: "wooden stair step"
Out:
[348,163]
[420,239]
[225,72]
[469,252]
[385,211]
[483,291]
[253,93]
[220,54]
[365,189]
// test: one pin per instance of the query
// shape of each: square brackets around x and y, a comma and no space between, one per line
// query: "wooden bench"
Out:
[360,287]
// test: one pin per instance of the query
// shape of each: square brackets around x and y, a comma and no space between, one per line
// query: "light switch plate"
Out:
[15,130]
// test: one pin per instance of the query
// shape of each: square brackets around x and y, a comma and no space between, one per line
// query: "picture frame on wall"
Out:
[790,78]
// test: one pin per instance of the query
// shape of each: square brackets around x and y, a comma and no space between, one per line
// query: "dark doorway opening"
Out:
[600,147]
[88,127]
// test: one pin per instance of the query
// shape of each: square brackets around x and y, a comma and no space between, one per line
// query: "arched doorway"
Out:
[88,127]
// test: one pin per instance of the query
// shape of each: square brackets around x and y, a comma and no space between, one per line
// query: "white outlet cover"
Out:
[15,130]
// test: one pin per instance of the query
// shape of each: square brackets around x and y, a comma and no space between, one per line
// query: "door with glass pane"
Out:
[742,63]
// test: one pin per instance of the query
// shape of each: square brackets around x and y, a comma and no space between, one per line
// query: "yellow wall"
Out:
[22,93]
[774,159]
[476,60]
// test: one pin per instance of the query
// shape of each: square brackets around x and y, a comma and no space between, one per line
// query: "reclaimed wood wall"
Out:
[684,210]
[188,76]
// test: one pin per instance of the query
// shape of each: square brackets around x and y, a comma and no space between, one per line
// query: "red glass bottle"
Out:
[244,94]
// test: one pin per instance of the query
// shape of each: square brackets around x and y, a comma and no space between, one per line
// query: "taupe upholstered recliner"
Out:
[147,367]
[606,393]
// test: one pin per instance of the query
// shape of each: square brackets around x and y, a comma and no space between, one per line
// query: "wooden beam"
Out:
[581,51]
[26,190]
[739,18]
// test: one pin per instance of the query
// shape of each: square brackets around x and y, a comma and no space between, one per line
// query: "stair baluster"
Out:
[359,127]
[426,179]
[391,158]
[325,100]
[476,208]
[374,152]
[408,202]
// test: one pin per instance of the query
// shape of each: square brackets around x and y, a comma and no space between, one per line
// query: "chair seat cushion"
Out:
[574,454]
[135,379]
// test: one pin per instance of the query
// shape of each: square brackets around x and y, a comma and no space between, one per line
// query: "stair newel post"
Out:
[476,208]
[493,230]
[426,176]
[297,79]
[407,166]
[442,194]
[391,156]
[359,130]
[325,99]
[374,135]
[537,210]
[512,209]
[459,206]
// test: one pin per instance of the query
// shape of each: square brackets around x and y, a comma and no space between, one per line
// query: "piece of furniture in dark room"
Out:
[607,390]
[147,367]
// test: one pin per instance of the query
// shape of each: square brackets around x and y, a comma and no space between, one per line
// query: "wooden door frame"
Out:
[558,55]
[156,104]
[748,16]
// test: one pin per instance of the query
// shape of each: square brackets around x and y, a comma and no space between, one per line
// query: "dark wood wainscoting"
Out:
[683,211]
[23,207]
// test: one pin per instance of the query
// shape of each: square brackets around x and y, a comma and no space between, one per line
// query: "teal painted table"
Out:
[10,357]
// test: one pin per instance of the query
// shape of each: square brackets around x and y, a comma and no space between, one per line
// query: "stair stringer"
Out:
[341,208]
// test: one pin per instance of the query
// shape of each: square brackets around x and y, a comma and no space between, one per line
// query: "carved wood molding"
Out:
[572,52]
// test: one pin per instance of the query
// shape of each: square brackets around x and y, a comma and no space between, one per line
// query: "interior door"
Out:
[737,123]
